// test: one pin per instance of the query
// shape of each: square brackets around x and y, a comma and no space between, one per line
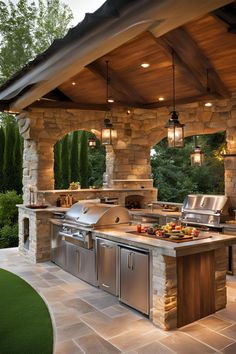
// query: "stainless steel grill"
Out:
[82,218]
[205,210]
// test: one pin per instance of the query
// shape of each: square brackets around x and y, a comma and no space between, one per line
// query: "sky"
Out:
[78,7]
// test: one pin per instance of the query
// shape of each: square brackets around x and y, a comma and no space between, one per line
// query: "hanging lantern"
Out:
[197,157]
[92,143]
[108,132]
[175,130]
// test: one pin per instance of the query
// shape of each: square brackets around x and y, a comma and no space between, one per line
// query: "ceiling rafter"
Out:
[48,103]
[227,16]
[57,95]
[184,100]
[191,60]
[118,85]
[182,67]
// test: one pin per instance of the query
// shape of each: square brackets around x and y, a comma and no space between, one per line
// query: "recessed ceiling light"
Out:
[161,99]
[208,104]
[73,83]
[145,65]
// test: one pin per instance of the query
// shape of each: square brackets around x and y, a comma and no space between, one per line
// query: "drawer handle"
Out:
[103,245]
[105,286]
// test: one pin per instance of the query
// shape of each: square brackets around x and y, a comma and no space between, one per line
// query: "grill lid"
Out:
[90,214]
[203,202]
[205,209]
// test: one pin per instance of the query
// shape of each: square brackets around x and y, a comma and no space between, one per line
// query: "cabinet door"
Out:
[71,258]
[107,259]
[134,279]
[58,249]
[86,265]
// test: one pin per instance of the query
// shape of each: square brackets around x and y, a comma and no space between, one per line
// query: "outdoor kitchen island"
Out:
[187,280]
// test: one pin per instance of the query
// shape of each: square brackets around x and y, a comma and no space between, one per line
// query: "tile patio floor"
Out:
[88,320]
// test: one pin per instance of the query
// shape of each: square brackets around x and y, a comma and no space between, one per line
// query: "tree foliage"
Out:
[17,170]
[83,167]
[65,170]
[175,177]
[27,30]
[57,165]
[9,159]
[2,145]
[74,157]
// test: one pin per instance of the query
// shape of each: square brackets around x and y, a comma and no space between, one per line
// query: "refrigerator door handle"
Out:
[132,260]
[129,260]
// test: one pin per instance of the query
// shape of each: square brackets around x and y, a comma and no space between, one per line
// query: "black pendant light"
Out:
[108,132]
[175,130]
[197,156]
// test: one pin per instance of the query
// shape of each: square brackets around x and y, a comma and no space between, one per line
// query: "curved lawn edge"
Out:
[25,325]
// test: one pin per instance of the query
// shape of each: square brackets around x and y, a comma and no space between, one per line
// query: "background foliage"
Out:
[175,177]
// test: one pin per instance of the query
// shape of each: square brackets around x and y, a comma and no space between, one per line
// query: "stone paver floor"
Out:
[88,320]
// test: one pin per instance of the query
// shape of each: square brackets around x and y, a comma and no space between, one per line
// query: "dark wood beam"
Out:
[57,95]
[118,85]
[191,60]
[48,103]
[227,15]
[198,98]
[182,67]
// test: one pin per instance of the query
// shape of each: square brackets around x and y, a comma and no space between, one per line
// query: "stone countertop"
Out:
[155,213]
[121,235]
[49,209]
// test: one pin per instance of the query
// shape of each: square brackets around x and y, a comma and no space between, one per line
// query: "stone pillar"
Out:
[38,157]
[164,291]
[128,164]
[230,162]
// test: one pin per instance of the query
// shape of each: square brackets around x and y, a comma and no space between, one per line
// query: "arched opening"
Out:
[76,165]
[174,176]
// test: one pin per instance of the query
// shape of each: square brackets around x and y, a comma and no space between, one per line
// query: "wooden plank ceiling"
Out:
[205,45]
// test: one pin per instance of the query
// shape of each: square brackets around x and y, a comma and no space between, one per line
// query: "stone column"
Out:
[230,165]
[132,162]
[38,157]
[164,291]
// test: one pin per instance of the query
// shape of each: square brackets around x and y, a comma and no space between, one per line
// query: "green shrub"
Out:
[9,236]
[8,209]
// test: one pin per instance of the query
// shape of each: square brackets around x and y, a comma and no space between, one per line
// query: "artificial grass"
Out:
[25,323]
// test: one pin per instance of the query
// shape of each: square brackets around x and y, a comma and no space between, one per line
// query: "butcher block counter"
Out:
[187,280]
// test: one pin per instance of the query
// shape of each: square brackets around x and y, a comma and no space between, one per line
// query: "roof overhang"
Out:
[114,27]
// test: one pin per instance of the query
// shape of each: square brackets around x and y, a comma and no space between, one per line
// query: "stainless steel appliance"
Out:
[134,278]
[211,211]
[58,246]
[76,234]
[107,263]
[205,210]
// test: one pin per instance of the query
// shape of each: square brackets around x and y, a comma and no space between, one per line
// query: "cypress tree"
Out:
[9,179]
[84,160]
[57,165]
[18,161]
[74,157]
[2,144]
[65,172]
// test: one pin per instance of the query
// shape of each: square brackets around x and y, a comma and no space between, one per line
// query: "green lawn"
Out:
[25,323]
